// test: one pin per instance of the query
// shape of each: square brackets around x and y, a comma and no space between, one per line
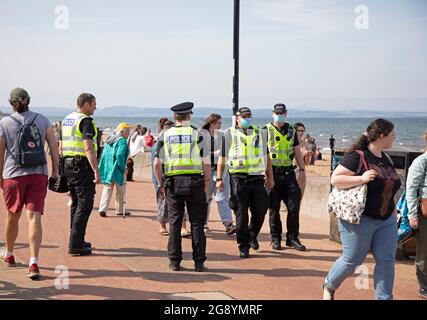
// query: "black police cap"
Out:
[183,108]
[243,111]
[280,107]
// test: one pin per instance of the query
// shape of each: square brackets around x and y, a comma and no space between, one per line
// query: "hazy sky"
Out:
[306,53]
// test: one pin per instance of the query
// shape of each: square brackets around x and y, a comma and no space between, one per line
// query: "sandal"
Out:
[164,232]
[186,234]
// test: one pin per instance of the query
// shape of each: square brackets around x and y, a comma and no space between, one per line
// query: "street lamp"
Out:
[236,53]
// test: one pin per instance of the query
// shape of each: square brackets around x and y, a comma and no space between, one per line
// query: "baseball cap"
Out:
[19,94]
[123,125]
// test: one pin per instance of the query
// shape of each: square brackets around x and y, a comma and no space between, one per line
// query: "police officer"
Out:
[80,166]
[186,177]
[245,150]
[283,146]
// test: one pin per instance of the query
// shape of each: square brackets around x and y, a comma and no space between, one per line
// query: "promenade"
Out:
[129,260]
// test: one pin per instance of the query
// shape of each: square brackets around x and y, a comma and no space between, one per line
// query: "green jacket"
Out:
[113,160]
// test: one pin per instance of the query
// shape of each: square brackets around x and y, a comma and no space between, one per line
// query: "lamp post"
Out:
[236,47]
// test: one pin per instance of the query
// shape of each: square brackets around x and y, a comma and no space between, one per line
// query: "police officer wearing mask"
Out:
[245,150]
[283,146]
[80,166]
[183,174]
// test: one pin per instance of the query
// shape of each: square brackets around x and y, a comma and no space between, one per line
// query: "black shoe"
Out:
[87,245]
[231,229]
[296,244]
[174,267]
[199,267]
[275,245]
[254,244]
[102,214]
[244,254]
[80,252]
[423,293]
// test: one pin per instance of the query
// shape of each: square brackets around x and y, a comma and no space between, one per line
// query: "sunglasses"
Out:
[300,130]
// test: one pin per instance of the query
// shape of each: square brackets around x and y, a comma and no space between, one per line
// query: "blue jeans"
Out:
[221,198]
[380,236]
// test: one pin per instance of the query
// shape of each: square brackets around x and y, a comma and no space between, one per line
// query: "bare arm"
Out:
[158,171]
[299,157]
[220,172]
[91,157]
[2,151]
[344,178]
[54,152]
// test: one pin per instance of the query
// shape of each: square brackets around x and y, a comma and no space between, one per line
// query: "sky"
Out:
[307,54]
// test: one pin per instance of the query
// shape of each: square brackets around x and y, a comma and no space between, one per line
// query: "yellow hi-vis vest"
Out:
[281,146]
[182,152]
[246,153]
[72,137]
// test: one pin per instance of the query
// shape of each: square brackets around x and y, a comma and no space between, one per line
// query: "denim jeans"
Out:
[380,236]
[221,198]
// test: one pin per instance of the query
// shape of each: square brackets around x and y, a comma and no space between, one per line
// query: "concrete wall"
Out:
[315,197]
[142,167]
[313,202]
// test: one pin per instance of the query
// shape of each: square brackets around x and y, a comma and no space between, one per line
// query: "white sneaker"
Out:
[328,294]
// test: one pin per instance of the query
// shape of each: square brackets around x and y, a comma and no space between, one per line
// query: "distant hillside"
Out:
[130,111]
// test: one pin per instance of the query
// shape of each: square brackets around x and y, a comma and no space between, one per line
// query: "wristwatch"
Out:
[218,179]
[303,170]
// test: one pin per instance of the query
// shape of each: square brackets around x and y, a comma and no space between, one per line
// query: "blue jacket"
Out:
[114,160]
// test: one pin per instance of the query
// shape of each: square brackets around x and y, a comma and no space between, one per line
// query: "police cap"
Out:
[183,108]
[243,111]
[280,107]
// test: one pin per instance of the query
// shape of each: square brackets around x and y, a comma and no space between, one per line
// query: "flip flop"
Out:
[186,234]
[164,232]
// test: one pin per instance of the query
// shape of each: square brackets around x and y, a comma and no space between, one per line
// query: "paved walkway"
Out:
[130,261]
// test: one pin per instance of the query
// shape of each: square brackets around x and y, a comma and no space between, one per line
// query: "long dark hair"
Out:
[212,118]
[373,133]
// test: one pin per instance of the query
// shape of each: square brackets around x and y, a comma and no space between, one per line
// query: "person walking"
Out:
[112,169]
[244,149]
[416,197]
[377,230]
[284,147]
[162,207]
[211,130]
[79,150]
[187,175]
[23,169]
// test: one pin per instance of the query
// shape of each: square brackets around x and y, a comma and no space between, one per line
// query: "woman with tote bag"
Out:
[377,227]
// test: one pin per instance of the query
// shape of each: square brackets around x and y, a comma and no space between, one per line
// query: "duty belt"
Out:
[195,179]
[284,170]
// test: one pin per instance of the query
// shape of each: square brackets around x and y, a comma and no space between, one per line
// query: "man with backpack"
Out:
[23,169]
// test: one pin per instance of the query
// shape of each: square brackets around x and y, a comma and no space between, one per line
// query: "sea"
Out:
[409,131]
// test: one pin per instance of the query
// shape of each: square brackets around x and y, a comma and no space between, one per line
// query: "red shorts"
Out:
[27,190]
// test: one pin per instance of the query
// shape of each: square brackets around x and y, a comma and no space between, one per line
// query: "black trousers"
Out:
[285,189]
[82,191]
[248,193]
[197,214]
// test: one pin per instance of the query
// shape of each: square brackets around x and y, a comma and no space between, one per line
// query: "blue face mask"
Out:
[279,118]
[246,123]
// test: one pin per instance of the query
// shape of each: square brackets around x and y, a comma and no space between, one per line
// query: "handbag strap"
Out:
[362,158]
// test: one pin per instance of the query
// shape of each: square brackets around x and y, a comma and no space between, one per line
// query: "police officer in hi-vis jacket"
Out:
[183,173]
[283,146]
[245,151]
[80,167]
